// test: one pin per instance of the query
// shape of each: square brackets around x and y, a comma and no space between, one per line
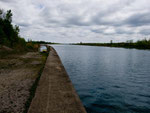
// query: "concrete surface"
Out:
[55,92]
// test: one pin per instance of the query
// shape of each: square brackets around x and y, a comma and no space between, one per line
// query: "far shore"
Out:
[141,44]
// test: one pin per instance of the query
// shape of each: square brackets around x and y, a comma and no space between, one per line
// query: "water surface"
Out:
[109,80]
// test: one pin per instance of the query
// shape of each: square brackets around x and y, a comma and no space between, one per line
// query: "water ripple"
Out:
[109,80]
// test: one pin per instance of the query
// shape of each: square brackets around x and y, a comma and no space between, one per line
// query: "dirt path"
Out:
[17,74]
[55,92]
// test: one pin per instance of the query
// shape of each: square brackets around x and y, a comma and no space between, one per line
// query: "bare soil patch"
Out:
[17,74]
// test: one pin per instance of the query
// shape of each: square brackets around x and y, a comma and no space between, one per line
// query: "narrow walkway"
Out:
[55,92]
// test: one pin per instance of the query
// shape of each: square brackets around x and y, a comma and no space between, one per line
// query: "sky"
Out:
[72,21]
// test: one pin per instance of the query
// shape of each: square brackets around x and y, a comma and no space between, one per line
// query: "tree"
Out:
[111,41]
[1,14]
[16,29]
[9,16]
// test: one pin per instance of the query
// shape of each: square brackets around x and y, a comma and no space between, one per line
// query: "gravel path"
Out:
[17,74]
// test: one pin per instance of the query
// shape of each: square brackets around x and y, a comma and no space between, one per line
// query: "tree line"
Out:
[140,44]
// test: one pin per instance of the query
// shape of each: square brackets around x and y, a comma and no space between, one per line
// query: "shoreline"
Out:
[55,92]
[112,46]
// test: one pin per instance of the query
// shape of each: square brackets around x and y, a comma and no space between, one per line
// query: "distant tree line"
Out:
[140,44]
[41,42]
[9,34]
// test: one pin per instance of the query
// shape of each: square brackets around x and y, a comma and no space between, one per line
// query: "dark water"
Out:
[109,80]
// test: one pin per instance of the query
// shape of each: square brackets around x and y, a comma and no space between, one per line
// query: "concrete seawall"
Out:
[55,92]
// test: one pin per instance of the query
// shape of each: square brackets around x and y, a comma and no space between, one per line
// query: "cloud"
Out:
[80,20]
[6,0]
[125,30]
[139,19]
[145,31]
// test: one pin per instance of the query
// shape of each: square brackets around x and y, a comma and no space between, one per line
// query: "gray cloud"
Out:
[23,24]
[81,20]
[97,31]
[78,21]
[6,0]
[139,19]
[125,30]
[145,31]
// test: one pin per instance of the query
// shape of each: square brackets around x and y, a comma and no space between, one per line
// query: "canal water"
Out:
[109,80]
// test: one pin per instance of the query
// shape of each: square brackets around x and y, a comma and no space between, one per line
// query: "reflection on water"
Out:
[109,80]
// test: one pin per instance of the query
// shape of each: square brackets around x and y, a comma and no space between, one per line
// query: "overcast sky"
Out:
[81,20]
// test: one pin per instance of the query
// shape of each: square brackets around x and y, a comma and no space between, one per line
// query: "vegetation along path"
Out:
[55,92]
